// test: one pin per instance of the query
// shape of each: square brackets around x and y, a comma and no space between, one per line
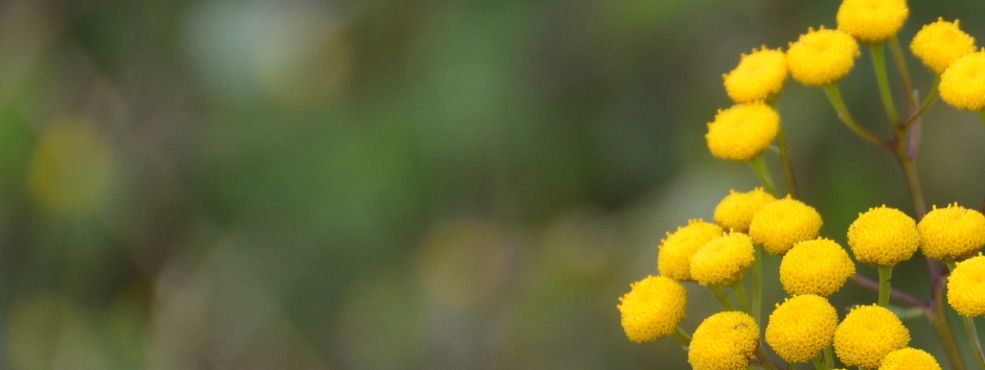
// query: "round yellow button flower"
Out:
[759,76]
[868,334]
[735,211]
[801,327]
[909,359]
[883,237]
[872,21]
[939,44]
[963,83]
[742,131]
[724,341]
[818,266]
[781,224]
[966,287]
[723,260]
[675,251]
[952,232]
[820,57]
[653,308]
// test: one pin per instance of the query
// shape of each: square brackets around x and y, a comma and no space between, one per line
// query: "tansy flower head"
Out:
[872,21]
[674,256]
[966,287]
[883,237]
[818,266]
[952,232]
[759,76]
[781,224]
[735,211]
[652,308]
[867,335]
[742,131]
[801,327]
[939,44]
[820,57]
[909,359]
[963,82]
[722,260]
[724,341]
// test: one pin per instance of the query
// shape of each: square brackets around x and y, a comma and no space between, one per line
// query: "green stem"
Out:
[833,93]
[912,178]
[757,286]
[878,54]
[885,274]
[942,327]
[927,102]
[722,297]
[976,345]
[818,362]
[740,292]
[788,176]
[982,115]
[829,358]
[758,165]
[763,360]
[904,71]
[682,336]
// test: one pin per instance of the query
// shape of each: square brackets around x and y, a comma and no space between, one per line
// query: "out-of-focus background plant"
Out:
[301,184]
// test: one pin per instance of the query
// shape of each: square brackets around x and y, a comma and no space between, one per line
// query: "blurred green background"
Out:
[388,184]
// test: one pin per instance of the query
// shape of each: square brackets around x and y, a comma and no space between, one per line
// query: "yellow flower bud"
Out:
[868,334]
[818,266]
[872,21]
[939,44]
[820,57]
[676,250]
[966,287]
[743,131]
[653,308]
[952,232]
[781,224]
[963,82]
[759,76]
[909,359]
[801,327]
[883,237]
[724,341]
[723,260]
[735,211]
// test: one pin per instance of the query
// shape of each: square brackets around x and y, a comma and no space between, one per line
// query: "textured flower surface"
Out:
[820,266]
[963,83]
[801,327]
[723,260]
[677,248]
[742,131]
[781,224]
[909,359]
[759,76]
[966,287]
[653,308]
[939,44]
[951,232]
[872,21]
[735,211]
[820,57]
[868,334]
[724,341]
[883,236]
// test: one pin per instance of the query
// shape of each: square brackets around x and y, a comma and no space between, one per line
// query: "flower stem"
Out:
[722,297]
[682,336]
[740,292]
[829,358]
[763,360]
[818,362]
[758,165]
[878,54]
[976,345]
[927,102]
[833,93]
[788,176]
[885,274]
[942,327]
[904,71]
[982,115]
[757,286]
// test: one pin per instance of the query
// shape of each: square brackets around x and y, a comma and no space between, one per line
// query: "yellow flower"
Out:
[909,359]
[952,232]
[883,237]
[723,260]
[759,76]
[781,224]
[724,341]
[868,334]
[872,21]
[801,327]
[963,83]
[674,256]
[820,57]
[735,211]
[818,266]
[653,308]
[939,44]
[966,287]
[742,131]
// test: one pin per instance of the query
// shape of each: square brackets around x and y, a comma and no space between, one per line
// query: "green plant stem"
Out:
[740,292]
[758,165]
[833,92]
[976,345]
[757,286]
[982,115]
[942,327]
[764,362]
[788,175]
[878,54]
[885,275]
[682,336]
[818,362]
[722,297]
[927,102]
[904,71]
[829,358]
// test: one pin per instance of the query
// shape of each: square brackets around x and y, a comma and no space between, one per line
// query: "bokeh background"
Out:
[392,184]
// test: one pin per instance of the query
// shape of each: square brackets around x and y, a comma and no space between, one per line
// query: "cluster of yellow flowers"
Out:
[717,255]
